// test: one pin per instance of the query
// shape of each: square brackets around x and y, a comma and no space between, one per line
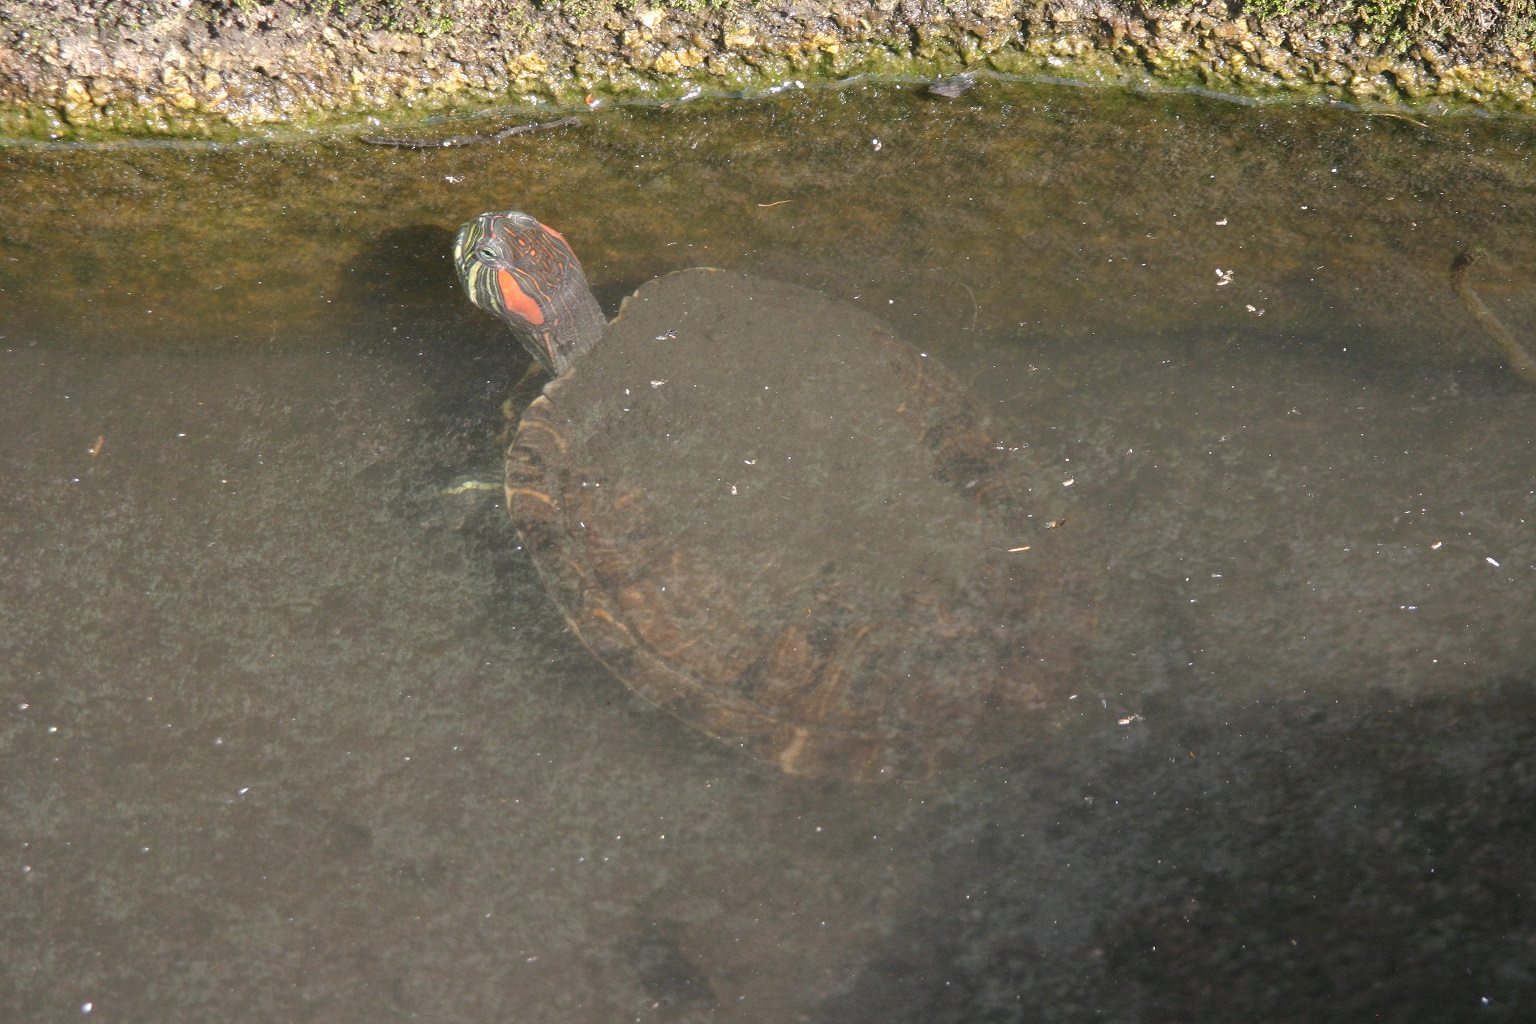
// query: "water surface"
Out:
[291,735]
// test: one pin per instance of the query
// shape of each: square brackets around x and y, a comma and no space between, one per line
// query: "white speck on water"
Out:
[1490,561]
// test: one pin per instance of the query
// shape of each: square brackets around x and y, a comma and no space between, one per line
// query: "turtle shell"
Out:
[771,518]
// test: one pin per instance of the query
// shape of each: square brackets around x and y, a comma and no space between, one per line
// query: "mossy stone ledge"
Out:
[218,68]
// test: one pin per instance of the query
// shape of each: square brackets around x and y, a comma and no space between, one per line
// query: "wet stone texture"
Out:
[190,67]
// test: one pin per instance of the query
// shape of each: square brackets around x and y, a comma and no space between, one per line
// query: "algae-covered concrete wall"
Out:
[201,67]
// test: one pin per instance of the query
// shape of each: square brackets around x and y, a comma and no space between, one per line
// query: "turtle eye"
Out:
[488,255]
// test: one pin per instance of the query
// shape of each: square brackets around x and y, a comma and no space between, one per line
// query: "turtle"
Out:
[768,516]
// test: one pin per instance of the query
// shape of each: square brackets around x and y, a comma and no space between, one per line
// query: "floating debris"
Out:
[953,88]
[467,140]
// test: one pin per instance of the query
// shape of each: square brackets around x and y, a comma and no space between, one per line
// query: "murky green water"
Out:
[289,735]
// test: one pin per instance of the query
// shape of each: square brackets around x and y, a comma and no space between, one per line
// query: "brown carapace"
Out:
[766,515]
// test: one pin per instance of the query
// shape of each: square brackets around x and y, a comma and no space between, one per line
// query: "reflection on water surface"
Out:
[290,735]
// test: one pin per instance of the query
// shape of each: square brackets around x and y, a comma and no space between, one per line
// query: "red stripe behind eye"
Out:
[517,300]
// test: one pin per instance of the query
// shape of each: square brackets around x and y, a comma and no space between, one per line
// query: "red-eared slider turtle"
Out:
[769,517]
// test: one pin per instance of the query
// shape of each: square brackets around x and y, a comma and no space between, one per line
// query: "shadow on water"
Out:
[404,305]
[1258,861]
[291,735]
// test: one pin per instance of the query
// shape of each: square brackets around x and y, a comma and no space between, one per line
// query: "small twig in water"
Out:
[466,140]
[1519,360]
[1400,117]
[975,306]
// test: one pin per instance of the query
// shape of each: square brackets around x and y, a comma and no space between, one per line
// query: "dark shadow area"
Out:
[1271,862]
[401,292]
[403,298]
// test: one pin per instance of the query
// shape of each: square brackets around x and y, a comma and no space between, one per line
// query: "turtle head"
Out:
[525,273]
